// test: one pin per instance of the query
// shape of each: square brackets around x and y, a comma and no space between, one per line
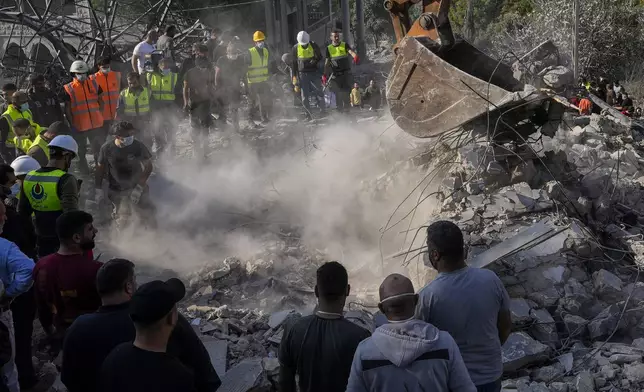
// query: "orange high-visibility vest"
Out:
[86,112]
[111,85]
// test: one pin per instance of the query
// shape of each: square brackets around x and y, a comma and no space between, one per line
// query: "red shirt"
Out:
[65,288]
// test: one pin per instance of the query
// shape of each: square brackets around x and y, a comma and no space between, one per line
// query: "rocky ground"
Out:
[557,217]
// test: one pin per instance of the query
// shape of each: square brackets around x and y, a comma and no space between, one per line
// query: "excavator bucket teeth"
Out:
[433,89]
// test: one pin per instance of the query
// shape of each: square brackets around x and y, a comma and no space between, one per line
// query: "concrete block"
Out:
[521,350]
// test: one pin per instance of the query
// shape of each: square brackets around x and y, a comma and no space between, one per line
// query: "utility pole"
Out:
[575,40]
[269,11]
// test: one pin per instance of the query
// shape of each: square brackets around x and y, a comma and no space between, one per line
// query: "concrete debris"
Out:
[606,322]
[585,382]
[243,377]
[521,350]
[520,311]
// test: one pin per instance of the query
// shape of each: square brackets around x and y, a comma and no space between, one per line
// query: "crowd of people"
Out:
[612,93]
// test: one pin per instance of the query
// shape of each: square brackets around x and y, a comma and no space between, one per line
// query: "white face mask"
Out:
[261,45]
[165,71]
[126,141]
[81,77]
[105,70]
[233,56]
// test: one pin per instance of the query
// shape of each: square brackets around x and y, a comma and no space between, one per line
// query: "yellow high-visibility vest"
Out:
[136,104]
[258,70]
[162,86]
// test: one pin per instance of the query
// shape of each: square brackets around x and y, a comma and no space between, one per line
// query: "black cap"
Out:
[154,300]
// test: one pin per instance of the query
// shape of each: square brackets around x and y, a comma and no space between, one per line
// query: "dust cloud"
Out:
[335,188]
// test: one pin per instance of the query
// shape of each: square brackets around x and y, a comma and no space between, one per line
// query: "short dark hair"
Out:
[332,280]
[113,275]
[170,28]
[104,61]
[5,169]
[336,31]
[133,75]
[447,239]
[9,87]
[72,222]
[21,123]
[120,126]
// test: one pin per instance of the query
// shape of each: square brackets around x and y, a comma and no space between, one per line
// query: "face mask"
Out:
[125,141]
[15,189]
[24,106]
[233,56]
[261,45]
[81,77]
[165,71]
[105,70]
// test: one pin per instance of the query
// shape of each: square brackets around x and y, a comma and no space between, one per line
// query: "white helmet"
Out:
[303,38]
[24,164]
[79,66]
[65,142]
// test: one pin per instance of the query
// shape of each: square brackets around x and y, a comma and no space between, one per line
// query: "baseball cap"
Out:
[154,300]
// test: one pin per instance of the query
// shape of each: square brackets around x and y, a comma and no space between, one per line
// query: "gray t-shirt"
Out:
[466,303]
[165,43]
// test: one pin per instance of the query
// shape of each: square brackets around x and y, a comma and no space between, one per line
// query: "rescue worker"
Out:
[44,103]
[337,70]
[229,74]
[110,83]
[40,147]
[18,109]
[162,83]
[306,56]
[7,91]
[84,112]
[50,191]
[259,90]
[127,163]
[25,136]
[134,106]
[197,98]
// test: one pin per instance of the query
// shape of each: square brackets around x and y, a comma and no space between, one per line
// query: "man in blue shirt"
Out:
[15,274]
[483,322]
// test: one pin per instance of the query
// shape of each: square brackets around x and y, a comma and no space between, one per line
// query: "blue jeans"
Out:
[490,387]
[310,86]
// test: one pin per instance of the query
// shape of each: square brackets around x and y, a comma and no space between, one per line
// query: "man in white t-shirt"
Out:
[143,48]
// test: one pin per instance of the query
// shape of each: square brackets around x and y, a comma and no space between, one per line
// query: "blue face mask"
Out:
[126,141]
[15,189]
[24,106]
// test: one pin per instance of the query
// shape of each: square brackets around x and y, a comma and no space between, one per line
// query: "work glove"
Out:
[99,196]
[294,80]
[324,79]
[135,196]
[356,60]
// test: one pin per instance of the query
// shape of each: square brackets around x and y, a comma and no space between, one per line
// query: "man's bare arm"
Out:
[135,62]
[186,91]
[504,324]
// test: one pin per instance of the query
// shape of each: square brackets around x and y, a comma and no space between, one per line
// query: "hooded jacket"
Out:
[413,356]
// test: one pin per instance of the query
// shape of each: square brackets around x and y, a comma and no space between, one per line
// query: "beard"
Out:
[88,245]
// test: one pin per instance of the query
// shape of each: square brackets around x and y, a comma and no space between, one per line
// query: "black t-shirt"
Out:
[200,82]
[231,72]
[321,351]
[131,369]
[123,164]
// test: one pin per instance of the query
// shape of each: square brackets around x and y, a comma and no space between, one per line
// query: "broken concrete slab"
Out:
[242,377]
[520,311]
[547,373]
[218,352]
[521,350]
[585,382]
[608,286]
[544,328]
[620,359]
[276,319]
[606,322]
[575,325]
[634,373]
